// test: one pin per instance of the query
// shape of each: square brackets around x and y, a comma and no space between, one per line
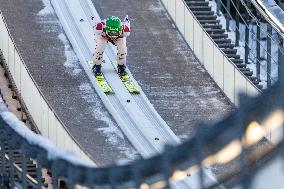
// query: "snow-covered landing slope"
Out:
[137,119]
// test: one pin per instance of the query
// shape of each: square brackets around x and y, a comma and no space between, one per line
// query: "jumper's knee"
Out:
[98,57]
[122,53]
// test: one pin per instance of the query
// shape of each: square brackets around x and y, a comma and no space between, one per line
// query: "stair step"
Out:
[226,45]
[29,166]
[255,82]
[209,21]
[222,41]
[238,61]
[31,169]
[236,56]
[212,26]
[244,69]
[202,12]
[212,30]
[240,65]
[253,78]
[227,51]
[219,36]
[215,31]
[247,73]
[206,17]
[197,3]
[200,8]
[259,86]
[194,0]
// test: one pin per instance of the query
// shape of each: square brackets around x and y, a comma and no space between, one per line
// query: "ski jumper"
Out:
[102,40]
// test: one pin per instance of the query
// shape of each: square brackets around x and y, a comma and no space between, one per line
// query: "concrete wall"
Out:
[43,115]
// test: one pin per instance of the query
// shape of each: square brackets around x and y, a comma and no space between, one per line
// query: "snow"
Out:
[276,11]
[183,137]
[111,131]
[252,46]
[71,62]
[47,8]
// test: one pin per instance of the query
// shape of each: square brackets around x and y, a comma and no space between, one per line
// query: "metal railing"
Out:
[259,40]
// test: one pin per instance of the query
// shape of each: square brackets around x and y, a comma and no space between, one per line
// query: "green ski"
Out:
[127,82]
[103,84]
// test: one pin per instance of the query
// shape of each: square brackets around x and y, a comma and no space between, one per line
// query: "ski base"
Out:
[127,82]
[103,84]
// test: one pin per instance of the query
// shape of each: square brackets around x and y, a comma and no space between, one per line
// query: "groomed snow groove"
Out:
[129,114]
[138,119]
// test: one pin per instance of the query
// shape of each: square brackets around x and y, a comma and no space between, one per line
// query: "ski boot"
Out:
[97,71]
[122,72]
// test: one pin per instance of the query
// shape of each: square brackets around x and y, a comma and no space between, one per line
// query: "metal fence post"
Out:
[228,5]
[24,171]
[218,7]
[38,172]
[166,166]
[54,177]
[3,168]
[198,147]
[247,49]
[268,55]
[70,179]
[247,40]
[258,52]
[113,179]
[241,129]
[280,56]
[136,175]
[11,165]
[237,23]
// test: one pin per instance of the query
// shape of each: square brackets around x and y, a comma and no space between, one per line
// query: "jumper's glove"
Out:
[126,19]
[93,18]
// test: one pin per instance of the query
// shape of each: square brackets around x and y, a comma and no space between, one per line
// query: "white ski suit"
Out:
[102,40]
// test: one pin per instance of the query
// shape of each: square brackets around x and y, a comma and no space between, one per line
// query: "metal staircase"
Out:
[212,26]
[16,172]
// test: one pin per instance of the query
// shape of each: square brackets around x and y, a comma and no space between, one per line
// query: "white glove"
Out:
[126,19]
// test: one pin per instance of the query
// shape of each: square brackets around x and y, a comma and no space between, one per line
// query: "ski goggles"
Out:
[113,33]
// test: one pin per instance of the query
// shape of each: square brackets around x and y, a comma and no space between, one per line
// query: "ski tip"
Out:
[124,76]
[100,77]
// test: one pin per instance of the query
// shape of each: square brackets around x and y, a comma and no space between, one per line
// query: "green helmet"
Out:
[113,24]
